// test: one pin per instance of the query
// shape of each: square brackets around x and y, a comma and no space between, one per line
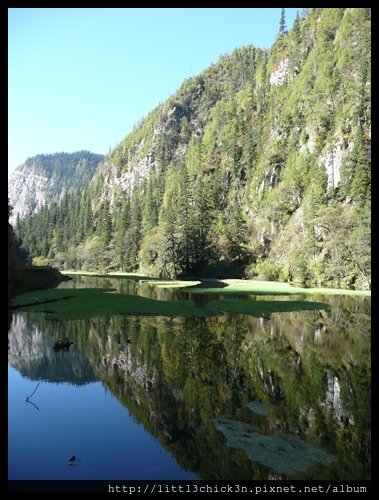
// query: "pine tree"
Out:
[360,168]
[296,28]
[282,23]
[104,227]
[171,235]
[185,222]
[133,234]
[122,224]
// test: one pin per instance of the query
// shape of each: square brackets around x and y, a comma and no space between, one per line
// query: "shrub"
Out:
[268,270]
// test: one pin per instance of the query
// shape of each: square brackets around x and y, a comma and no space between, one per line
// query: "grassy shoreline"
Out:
[227,286]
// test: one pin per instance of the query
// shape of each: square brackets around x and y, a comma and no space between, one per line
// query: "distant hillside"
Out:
[257,167]
[44,178]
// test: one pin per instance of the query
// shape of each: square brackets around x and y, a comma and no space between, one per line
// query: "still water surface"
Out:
[227,397]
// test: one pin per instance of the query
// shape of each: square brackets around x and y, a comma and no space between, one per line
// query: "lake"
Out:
[223,397]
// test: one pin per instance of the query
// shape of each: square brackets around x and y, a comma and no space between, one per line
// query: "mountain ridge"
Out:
[259,166]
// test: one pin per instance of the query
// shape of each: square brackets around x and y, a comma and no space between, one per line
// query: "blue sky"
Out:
[81,78]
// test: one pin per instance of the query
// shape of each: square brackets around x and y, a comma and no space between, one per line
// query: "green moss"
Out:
[264,307]
[64,304]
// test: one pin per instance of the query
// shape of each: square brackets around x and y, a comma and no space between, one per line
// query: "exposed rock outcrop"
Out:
[43,179]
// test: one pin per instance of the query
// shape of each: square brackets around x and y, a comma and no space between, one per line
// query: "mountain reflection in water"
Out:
[299,383]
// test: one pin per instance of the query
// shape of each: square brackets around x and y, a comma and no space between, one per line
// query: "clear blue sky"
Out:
[81,78]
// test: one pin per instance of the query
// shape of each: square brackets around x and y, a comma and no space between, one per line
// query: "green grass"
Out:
[173,284]
[90,302]
[252,287]
[227,286]
[264,307]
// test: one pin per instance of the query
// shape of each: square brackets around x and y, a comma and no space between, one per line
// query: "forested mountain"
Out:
[259,166]
[44,178]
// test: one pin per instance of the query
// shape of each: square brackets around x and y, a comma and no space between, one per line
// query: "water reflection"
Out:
[182,378]
[136,286]
[33,352]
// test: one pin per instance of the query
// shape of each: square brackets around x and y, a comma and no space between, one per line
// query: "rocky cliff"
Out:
[44,178]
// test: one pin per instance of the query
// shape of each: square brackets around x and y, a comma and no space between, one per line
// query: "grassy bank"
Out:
[252,287]
[228,286]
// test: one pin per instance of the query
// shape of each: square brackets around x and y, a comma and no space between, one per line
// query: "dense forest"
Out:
[257,167]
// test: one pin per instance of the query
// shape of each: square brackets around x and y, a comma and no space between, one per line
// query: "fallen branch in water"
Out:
[28,398]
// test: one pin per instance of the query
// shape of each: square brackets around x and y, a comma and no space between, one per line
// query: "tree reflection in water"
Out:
[300,377]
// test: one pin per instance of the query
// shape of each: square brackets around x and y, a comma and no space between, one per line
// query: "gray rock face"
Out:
[278,77]
[271,176]
[142,159]
[45,178]
[333,162]
[27,192]
[139,166]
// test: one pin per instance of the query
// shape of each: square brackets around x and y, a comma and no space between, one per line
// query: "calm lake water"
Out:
[226,397]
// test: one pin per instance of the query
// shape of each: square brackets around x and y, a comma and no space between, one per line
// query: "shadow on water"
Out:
[214,283]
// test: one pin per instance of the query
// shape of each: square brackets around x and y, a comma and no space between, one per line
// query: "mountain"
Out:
[257,167]
[44,178]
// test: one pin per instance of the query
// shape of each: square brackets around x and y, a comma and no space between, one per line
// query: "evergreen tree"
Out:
[282,23]
[122,224]
[104,225]
[296,29]
[133,235]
